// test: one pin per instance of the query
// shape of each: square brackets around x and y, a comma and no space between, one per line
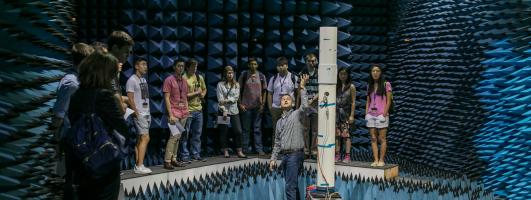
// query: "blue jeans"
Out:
[252,118]
[194,128]
[291,166]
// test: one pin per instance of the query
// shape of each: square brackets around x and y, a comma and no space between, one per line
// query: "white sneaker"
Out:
[381,164]
[142,170]
[374,164]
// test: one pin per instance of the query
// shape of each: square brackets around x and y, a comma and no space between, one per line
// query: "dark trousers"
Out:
[106,187]
[236,132]
[291,166]
[252,124]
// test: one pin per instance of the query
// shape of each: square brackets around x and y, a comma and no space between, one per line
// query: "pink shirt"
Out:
[178,89]
[378,102]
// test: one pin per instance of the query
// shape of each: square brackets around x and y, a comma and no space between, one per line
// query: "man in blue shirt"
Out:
[60,123]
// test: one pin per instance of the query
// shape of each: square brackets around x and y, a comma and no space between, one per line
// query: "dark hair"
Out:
[191,62]
[282,61]
[99,46]
[98,70]
[251,59]
[381,82]
[339,83]
[80,51]
[177,61]
[119,39]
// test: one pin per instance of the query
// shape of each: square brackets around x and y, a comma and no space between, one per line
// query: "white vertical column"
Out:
[327,107]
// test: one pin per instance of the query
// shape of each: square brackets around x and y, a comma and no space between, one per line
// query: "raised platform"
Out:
[159,175]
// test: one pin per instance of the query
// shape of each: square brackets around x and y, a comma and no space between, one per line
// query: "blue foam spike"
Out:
[232,62]
[140,17]
[329,21]
[290,50]
[314,21]
[343,50]
[287,22]
[273,6]
[313,7]
[273,49]
[171,19]
[154,5]
[232,20]
[289,6]
[245,19]
[302,20]
[245,34]
[199,33]
[199,18]
[244,49]
[214,63]
[230,6]
[342,36]
[154,63]
[273,35]
[184,33]
[184,48]
[258,19]
[258,33]
[215,6]
[502,44]
[287,36]
[185,17]
[344,8]
[232,34]
[310,35]
[213,78]
[343,23]
[215,20]
[231,49]
[169,5]
[329,8]
[215,34]
[169,33]
[166,62]
[272,21]
[215,48]
[199,47]
[169,47]
[154,47]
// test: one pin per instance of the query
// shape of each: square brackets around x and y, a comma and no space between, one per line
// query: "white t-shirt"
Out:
[139,88]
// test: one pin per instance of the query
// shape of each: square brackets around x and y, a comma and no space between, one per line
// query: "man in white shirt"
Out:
[138,96]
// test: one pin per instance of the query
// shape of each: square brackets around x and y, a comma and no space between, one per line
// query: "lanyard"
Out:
[179,83]
[230,89]
[281,81]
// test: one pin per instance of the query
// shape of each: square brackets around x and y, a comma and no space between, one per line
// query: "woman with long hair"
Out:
[346,103]
[228,93]
[95,95]
[379,95]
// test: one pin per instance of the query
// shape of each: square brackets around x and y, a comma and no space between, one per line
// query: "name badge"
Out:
[145,104]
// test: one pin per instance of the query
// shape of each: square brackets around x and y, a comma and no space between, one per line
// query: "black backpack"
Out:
[91,143]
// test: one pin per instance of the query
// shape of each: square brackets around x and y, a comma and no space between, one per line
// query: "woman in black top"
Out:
[95,75]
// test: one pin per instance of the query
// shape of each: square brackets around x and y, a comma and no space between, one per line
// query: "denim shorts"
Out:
[142,123]
[377,121]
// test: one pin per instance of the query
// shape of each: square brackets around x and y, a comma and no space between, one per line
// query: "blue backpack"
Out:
[91,144]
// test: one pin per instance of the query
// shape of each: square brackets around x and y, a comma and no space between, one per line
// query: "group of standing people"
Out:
[292,100]
[291,129]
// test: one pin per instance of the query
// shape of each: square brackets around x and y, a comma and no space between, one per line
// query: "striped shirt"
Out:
[289,131]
